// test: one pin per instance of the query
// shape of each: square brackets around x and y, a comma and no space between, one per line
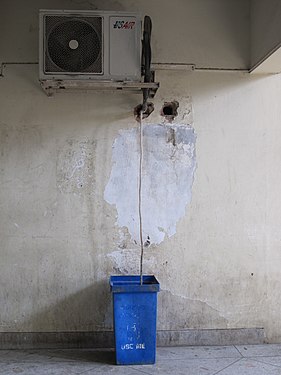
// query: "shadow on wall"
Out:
[89,309]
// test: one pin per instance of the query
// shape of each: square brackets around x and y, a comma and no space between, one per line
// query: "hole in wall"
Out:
[147,242]
[170,110]
[146,113]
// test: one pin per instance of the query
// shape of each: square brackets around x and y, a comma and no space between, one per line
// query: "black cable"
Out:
[146,57]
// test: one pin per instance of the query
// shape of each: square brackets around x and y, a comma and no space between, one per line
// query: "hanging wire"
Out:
[140,195]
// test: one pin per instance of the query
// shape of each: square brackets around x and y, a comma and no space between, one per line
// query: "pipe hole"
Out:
[169,110]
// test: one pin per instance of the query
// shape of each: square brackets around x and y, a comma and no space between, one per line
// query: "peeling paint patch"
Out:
[169,162]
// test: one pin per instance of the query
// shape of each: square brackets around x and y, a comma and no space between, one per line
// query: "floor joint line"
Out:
[264,363]
[233,363]
[238,351]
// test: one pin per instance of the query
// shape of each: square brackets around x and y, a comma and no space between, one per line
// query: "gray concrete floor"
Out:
[199,360]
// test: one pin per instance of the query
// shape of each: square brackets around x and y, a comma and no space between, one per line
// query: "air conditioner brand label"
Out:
[121,24]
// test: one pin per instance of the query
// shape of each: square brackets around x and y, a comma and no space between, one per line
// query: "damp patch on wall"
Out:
[169,163]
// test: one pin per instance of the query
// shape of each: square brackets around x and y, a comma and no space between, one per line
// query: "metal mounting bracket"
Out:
[51,86]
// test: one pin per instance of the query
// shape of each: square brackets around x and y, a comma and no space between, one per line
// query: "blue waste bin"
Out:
[135,316]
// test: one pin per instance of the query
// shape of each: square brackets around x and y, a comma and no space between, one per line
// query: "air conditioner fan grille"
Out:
[73,45]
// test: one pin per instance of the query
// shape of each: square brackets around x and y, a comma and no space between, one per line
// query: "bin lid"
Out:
[131,284]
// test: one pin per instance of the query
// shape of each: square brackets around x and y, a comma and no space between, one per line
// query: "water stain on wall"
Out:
[188,313]
[169,162]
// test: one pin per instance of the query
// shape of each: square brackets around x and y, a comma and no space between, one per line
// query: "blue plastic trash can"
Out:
[134,316]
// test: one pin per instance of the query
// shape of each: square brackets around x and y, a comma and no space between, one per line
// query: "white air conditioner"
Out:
[89,45]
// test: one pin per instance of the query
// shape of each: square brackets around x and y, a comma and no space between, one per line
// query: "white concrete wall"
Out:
[221,267]
[265,30]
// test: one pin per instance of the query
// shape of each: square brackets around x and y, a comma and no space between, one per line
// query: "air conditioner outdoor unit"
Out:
[90,45]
